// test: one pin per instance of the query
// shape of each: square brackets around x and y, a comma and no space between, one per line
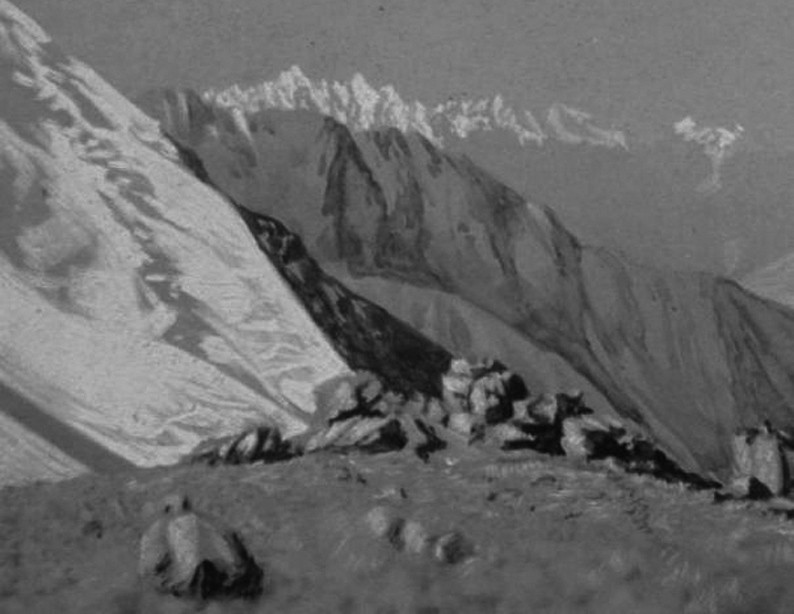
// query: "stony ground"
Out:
[551,535]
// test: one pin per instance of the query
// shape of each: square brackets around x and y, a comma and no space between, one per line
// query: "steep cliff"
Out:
[138,313]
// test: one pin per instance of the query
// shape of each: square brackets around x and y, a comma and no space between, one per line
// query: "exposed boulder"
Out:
[455,391]
[745,487]
[542,410]
[488,399]
[415,537]
[468,425]
[509,436]
[346,395]
[356,412]
[262,443]
[452,548]
[385,523]
[486,389]
[758,454]
[587,437]
[368,434]
[186,555]
[575,440]
[434,411]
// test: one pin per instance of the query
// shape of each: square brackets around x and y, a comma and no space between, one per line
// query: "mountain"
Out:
[695,197]
[442,244]
[652,77]
[141,311]
[160,290]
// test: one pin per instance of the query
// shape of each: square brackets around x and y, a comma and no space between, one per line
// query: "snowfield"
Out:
[136,306]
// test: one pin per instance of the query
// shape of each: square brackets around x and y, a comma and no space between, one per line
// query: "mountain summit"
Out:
[138,312]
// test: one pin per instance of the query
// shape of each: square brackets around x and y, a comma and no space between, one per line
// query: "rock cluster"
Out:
[480,403]
[356,412]
[262,443]
[485,391]
[488,402]
[187,555]
[760,465]
[410,536]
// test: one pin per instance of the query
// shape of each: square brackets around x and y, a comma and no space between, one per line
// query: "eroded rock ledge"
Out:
[482,405]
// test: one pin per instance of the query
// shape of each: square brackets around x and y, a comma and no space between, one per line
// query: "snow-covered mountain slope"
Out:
[689,357]
[137,308]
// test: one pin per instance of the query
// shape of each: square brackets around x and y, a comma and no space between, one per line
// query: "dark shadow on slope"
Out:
[68,440]
[364,334]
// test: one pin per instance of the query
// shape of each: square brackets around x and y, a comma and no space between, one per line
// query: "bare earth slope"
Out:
[690,357]
[137,309]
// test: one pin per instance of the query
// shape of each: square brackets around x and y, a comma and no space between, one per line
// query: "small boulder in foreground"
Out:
[186,555]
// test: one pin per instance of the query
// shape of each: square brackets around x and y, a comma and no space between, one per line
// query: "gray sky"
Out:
[639,64]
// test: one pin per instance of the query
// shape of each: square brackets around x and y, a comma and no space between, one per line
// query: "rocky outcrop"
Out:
[367,335]
[359,414]
[760,467]
[262,443]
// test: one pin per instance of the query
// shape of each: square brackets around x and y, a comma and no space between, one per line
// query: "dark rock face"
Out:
[686,357]
[364,334]
[185,555]
[262,443]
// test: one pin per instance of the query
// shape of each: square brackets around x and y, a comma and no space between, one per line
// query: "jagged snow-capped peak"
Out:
[718,144]
[362,106]
[138,312]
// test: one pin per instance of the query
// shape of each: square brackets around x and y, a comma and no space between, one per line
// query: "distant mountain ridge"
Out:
[361,106]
